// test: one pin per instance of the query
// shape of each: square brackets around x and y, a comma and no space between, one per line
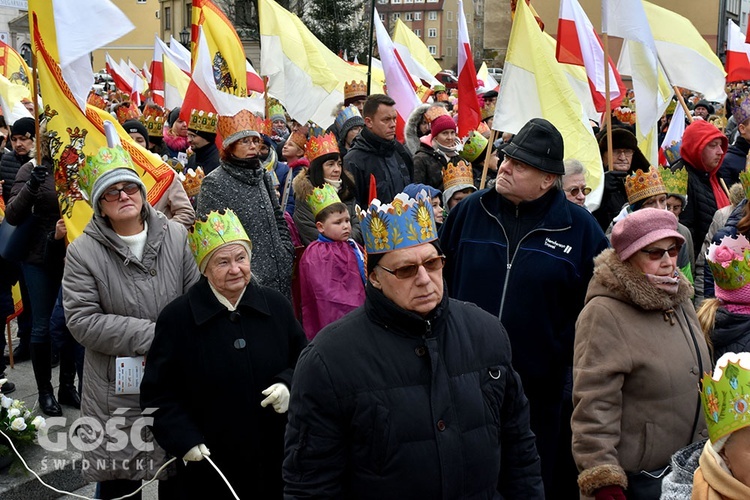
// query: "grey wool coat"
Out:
[250,194]
[112,301]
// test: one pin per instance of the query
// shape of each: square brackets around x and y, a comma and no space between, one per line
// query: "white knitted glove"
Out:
[278,397]
[196,453]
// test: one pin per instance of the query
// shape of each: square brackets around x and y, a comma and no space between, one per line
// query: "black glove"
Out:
[38,175]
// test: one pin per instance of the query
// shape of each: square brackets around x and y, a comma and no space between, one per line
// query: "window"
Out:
[449,51]
[395,1]
[408,1]
[432,49]
[141,1]
[408,16]
[418,33]
[382,17]
[382,1]
[167,18]
[449,33]
[432,33]
[417,16]
[397,15]
[432,16]
[450,15]
[418,1]
[188,15]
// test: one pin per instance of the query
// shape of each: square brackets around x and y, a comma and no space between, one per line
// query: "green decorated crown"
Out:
[105,160]
[404,223]
[726,396]
[745,180]
[474,146]
[730,262]
[322,197]
[276,110]
[676,181]
[214,230]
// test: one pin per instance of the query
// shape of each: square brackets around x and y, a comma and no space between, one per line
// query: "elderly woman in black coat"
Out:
[220,368]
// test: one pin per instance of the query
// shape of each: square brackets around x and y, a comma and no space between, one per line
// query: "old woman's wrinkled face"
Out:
[228,270]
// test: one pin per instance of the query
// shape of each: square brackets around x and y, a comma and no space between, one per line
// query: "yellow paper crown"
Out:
[675,182]
[433,112]
[726,396]
[243,124]
[276,110]
[641,185]
[126,111]
[322,198]
[203,122]
[459,173]
[193,181]
[153,119]
[321,145]
[213,231]
[355,89]
[96,100]
[299,139]
[488,110]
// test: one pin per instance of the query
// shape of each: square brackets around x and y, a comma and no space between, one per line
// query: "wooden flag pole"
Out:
[607,102]
[35,97]
[683,104]
[487,153]
[265,96]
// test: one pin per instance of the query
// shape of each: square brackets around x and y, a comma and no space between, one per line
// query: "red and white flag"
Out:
[123,81]
[738,55]
[399,84]
[578,44]
[469,114]
[179,55]
[669,149]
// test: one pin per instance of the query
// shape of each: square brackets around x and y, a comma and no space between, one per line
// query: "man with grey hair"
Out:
[574,182]
[522,252]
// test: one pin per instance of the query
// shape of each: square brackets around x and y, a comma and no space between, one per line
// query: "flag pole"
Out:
[265,95]
[369,46]
[607,102]
[35,96]
[683,104]
[487,153]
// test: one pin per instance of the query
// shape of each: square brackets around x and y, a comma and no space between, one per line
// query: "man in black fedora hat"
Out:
[523,252]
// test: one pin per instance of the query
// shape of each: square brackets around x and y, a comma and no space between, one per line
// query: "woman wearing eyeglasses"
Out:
[639,354]
[241,184]
[129,263]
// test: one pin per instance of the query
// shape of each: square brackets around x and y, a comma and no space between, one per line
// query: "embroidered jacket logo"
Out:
[550,243]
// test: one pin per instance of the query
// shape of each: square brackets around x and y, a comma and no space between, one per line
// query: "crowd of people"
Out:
[441,317]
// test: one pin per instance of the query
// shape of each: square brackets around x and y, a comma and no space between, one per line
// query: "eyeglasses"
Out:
[575,190]
[114,194]
[625,152]
[250,140]
[404,272]
[658,253]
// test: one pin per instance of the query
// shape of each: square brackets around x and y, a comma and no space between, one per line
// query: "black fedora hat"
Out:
[538,144]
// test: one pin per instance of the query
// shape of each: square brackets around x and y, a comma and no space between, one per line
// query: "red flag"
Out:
[738,55]
[469,115]
[122,82]
[747,35]
[578,44]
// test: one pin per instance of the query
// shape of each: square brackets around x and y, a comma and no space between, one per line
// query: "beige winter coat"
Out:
[111,302]
[635,375]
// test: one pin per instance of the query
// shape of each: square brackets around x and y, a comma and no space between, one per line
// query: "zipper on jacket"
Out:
[427,328]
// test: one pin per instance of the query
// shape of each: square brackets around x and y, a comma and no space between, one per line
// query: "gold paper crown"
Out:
[322,198]
[488,110]
[433,112]
[299,139]
[214,230]
[96,100]
[193,180]
[355,89]
[641,185]
[203,122]
[243,124]
[456,174]
[625,115]
[266,127]
[153,119]
[321,145]
[726,396]
[126,111]
[730,274]
[674,182]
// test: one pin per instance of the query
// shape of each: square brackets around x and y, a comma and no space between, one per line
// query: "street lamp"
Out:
[184,36]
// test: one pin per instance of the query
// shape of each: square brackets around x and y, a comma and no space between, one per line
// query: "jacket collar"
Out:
[205,306]
[553,206]
[368,141]
[385,312]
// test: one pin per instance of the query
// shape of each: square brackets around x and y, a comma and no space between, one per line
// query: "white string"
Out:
[62,492]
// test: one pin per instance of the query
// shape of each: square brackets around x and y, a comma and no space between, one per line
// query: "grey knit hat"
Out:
[109,179]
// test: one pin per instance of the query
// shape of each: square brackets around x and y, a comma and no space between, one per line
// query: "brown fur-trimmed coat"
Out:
[635,375]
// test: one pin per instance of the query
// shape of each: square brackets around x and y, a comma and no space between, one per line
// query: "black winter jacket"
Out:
[613,198]
[206,157]
[701,206]
[10,164]
[387,161]
[734,161]
[386,404]
[428,166]
[731,333]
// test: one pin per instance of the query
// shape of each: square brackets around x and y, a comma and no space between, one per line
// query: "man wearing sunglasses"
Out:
[413,394]
[522,252]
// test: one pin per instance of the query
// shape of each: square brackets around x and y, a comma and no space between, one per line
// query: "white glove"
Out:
[278,397]
[196,453]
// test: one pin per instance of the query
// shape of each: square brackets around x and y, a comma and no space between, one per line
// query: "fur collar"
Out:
[623,282]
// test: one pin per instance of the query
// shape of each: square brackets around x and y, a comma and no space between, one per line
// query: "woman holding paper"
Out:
[127,265]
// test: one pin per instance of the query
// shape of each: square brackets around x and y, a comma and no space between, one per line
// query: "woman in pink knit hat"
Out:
[436,150]
[639,354]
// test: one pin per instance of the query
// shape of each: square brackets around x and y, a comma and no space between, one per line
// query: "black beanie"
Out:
[23,126]
[173,116]
[208,136]
[135,126]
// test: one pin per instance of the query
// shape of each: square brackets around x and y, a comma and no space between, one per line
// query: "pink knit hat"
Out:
[441,123]
[641,228]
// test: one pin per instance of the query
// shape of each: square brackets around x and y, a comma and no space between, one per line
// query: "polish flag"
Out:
[469,114]
[399,83]
[122,80]
[669,150]
[738,55]
[179,55]
[578,44]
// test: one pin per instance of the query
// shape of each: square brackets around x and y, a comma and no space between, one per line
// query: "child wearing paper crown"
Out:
[332,269]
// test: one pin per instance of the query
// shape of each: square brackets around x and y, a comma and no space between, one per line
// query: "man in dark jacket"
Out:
[523,253]
[202,138]
[22,141]
[412,395]
[376,157]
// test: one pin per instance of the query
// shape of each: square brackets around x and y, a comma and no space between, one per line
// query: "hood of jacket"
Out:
[411,130]
[616,279]
[694,140]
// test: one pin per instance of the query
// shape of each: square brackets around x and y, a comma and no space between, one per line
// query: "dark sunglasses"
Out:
[658,253]
[114,194]
[574,191]
[404,272]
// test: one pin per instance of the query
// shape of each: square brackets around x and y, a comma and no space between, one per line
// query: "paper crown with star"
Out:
[322,198]
[347,114]
[729,262]
[726,395]
[675,182]
[641,185]
[403,223]
[202,121]
[214,230]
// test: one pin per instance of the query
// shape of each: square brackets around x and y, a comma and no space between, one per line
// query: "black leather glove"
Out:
[38,175]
